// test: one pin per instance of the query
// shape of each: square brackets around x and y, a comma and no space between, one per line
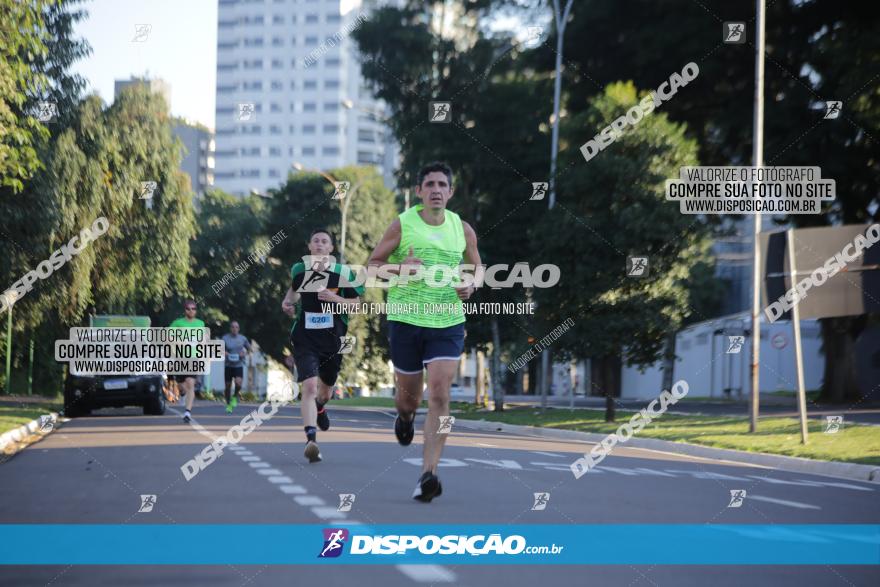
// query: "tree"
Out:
[497,141]
[608,209]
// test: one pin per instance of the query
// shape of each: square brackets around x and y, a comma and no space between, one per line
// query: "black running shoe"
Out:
[186,418]
[404,431]
[323,419]
[428,488]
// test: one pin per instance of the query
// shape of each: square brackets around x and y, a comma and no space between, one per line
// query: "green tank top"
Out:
[416,302]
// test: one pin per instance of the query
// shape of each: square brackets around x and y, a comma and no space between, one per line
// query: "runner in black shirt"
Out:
[318,336]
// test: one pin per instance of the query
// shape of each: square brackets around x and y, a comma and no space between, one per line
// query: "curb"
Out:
[25,430]
[868,473]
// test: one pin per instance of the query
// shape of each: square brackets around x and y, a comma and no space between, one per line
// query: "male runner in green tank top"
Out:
[426,338]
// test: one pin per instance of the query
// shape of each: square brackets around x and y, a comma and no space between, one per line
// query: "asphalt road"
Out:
[94,470]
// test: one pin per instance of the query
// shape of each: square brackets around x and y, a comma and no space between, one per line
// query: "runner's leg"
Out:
[440,376]
[189,386]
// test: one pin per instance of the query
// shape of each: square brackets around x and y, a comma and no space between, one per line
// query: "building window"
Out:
[293,44]
[273,107]
[227,66]
[278,19]
[308,151]
[274,173]
[250,173]
[274,129]
[228,111]
[277,42]
[250,151]
[308,129]
[366,136]
[310,84]
[330,151]
[277,86]
[258,85]
[331,106]
[252,64]
[292,129]
[226,89]
[331,129]
[310,107]
[311,18]
[311,41]
[331,84]
[334,18]
[254,42]
[227,45]
[332,62]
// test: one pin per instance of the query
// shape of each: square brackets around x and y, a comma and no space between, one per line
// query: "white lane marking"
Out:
[268,472]
[249,459]
[280,479]
[309,500]
[628,472]
[708,475]
[551,466]
[244,453]
[259,465]
[486,445]
[791,504]
[502,464]
[292,489]
[773,481]
[443,462]
[329,513]
[427,573]
[837,484]
[652,472]
[547,454]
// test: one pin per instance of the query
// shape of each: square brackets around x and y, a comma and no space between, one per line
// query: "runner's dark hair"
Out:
[435,166]
[325,231]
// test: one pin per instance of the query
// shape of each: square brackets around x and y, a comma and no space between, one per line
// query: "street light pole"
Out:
[757,161]
[554,147]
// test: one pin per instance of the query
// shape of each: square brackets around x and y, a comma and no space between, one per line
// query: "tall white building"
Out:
[290,91]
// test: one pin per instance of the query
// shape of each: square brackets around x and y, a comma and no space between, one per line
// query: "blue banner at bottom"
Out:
[625,544]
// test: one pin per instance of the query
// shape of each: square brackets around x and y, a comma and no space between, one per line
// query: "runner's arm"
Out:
[472,257]
[390,241]
[288,305]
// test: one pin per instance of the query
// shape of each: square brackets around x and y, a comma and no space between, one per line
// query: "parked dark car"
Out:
[83,393]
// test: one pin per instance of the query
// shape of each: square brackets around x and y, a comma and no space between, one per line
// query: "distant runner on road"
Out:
[188,382]
[237,348]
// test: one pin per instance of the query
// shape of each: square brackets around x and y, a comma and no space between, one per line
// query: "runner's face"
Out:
[320,244]
[190,311]
[233,328]
[435,190]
